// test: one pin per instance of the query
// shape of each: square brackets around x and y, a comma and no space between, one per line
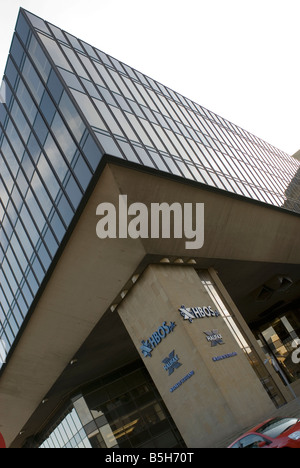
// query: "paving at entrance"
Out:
[290,410]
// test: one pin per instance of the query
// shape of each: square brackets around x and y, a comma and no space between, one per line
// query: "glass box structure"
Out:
[66,104]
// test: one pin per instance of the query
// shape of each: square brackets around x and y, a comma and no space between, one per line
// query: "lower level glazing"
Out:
[122,410]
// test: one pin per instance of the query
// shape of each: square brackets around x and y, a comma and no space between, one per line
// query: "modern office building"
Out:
[114,333]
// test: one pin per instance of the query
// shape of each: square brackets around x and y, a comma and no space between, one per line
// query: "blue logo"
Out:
[224,356]
[156,338]
[3,93]
[182,381]
[171,363]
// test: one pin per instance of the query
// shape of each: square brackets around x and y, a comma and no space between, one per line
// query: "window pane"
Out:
[55,52]
[89,110]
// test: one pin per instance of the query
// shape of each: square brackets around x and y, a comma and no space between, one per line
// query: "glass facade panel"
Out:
[66,104]
[47,158]
[89,110]
[55,52]
[69,433]
[259,368]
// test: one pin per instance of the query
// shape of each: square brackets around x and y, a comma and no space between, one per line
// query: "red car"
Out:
[2,443]
[274,433]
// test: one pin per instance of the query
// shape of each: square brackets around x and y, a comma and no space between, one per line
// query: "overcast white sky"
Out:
[238,58]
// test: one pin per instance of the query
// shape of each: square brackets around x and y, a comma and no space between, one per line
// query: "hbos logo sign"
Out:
[3,352]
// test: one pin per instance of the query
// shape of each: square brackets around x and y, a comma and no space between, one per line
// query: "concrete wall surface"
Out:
[208,398]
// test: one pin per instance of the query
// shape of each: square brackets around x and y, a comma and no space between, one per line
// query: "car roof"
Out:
[259,426]
[256,430]
[252,431]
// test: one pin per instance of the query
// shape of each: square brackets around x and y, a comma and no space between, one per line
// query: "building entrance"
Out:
[280,339]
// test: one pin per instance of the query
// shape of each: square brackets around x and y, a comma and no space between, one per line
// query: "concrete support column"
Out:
[201,372]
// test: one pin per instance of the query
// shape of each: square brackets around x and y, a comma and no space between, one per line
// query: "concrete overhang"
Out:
[91,274]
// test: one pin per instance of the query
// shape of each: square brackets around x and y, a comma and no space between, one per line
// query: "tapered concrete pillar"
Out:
[199,368]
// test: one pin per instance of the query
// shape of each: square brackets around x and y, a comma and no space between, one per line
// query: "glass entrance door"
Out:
[281,338]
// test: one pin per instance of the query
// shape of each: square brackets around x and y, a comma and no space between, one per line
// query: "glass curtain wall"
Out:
[47,159]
